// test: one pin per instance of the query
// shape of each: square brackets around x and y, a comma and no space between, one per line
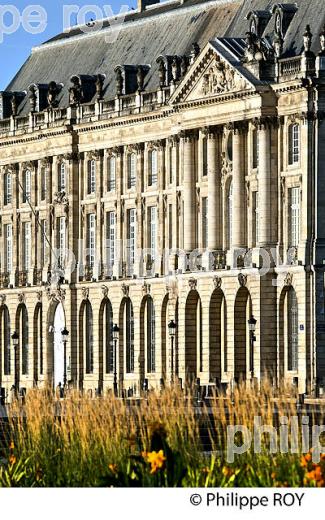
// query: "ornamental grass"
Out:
[167,439]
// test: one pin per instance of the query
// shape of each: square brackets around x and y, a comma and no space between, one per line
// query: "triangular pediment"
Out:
[211,75]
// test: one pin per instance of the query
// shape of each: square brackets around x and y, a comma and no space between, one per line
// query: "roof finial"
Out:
[322,41]
[307,39]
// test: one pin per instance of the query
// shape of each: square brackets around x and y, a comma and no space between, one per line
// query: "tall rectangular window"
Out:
[131,165]
[255,218]
[204,157]
[26,245]
[294,144]
[27,185]
[62,177]
[255,149]
[294,217]
[91,177]
[44,244]
[112,173]
[111,233]
[8,247]
[205,227]
[152,230]
[44,172]
[91,238]
[131,235]
[7,188]
[153,167]
[170,226]
[61,240]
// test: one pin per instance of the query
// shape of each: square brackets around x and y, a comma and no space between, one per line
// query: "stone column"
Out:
[239,196]
[214,238]
[189,140]
[264,183]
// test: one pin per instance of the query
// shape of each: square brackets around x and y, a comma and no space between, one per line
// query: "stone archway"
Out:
[193,335]
[242,312]
[217,339]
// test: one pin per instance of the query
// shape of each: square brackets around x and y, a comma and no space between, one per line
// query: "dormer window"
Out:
[258,21]
[283,15]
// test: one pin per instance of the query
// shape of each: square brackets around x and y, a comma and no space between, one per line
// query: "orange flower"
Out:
[227,472]
[12,460]
[11,445]
[156,459]
[113,468]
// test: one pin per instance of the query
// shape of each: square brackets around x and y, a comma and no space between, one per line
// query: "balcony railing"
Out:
[290,68]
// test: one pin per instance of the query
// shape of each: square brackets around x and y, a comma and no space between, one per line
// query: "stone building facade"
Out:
[171,171]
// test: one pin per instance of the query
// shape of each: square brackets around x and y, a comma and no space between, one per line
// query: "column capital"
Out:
[45,162]
[188,135]
[264,122]
[115,151]
[240,127]
[173,140]
[211,132]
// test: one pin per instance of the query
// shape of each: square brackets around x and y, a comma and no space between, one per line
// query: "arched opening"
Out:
[105,335]
[165,342]
[5,339]
[58,347]
[193,336]
[38,343]
[288,332]
[126,338]
[217,327]
[23,331]
[148,358]
[242,313]
[86,338]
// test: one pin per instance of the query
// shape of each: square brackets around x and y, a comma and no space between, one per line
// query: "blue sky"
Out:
[15,48]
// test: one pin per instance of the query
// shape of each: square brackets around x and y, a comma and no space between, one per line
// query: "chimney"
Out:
[142,4]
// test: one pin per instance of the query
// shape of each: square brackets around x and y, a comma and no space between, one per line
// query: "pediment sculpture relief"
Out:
[221,78]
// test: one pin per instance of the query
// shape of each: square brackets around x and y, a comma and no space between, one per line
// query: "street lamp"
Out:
[251,328]
[64,336]
[15,342]
[172,333]
[116,331]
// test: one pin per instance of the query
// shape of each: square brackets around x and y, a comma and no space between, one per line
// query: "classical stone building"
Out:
[169,166]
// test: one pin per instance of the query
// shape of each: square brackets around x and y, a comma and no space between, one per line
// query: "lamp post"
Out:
[64,336]
[15,342]
[251,327]
[172,332]
[116,331]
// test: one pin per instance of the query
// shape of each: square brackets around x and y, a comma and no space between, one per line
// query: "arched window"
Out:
[7,188]
[38,342]
[88,337]
[199,333]
[153,167]
[23,337]
[294,143]
[132,163]
[151,336]
[5,340]
[27,185]
[91,177]
[109,347]
[292,329]
[62,177]
[229,216]
[129,336]
[112,173]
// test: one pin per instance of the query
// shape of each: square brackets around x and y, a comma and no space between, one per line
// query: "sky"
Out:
[16,39]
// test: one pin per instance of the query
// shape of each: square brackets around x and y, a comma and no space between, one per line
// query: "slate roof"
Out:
[310,12]
[168,30]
